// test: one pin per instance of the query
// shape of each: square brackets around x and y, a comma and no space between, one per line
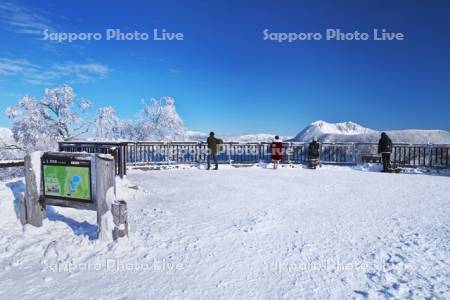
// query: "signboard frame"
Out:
[67,159]
[103,180]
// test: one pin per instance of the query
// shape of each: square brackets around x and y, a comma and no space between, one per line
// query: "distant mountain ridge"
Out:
[319,129]
[246,138]
[352,132]
[349,132]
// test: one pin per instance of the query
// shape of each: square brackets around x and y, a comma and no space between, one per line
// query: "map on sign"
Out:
[67,182]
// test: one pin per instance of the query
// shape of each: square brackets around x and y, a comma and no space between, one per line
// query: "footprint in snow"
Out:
[361,293]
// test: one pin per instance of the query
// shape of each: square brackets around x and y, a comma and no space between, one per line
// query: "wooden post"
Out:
[35,211]
[104,180]
[125,158]
[120,217]
[115,154]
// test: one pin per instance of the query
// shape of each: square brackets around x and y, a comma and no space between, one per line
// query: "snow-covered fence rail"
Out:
[11,168]
[142,153]
[11,163]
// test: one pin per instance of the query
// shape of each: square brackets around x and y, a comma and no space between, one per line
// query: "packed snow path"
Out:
[333,233]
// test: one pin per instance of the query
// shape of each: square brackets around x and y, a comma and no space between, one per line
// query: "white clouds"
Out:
[174,71]
[19,19]
[67,72]
[16,66]
[32,21]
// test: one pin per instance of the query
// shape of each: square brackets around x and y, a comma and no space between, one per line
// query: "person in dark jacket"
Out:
[313,153]
[277,151]
[385,149]
[213,148]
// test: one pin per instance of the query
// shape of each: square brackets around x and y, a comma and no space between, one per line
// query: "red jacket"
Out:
[277,150]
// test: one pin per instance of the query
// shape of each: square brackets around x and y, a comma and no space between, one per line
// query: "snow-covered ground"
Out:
[241,233]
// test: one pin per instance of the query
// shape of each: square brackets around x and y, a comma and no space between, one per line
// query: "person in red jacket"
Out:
[277,151]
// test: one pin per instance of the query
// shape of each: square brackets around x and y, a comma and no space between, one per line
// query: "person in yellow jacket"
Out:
[213,148]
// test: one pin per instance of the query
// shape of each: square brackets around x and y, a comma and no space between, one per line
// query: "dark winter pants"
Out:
[214,157]
[386,159]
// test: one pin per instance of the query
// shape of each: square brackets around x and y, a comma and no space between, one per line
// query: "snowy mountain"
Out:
[352,132]
[319,129]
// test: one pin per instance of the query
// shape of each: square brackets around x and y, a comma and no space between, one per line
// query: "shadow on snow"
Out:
[79,228]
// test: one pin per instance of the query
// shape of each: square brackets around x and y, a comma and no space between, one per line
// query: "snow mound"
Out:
[6,136]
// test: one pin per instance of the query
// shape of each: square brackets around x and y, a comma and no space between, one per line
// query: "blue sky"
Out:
[224,76]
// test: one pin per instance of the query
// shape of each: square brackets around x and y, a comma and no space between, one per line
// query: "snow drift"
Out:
[6,136]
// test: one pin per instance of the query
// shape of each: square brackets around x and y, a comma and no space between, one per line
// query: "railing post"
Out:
[288,153]
[428,156]
[135,153]
[320,153]
[169,152]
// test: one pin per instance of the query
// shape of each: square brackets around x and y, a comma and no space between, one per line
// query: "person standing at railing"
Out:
[277,151]
[385,149]
[213,148]
[313,153]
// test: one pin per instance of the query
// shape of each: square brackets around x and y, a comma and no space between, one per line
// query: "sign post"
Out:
[30,204]
[76,180]
[105,181]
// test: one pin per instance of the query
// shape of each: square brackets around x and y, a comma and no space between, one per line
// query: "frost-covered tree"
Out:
[107,124]
[128,130]
[39,124]
[159,120]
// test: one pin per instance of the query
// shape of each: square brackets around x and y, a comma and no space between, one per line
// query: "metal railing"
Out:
[436,156]
[142,153]
[191,152]
[117,150]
